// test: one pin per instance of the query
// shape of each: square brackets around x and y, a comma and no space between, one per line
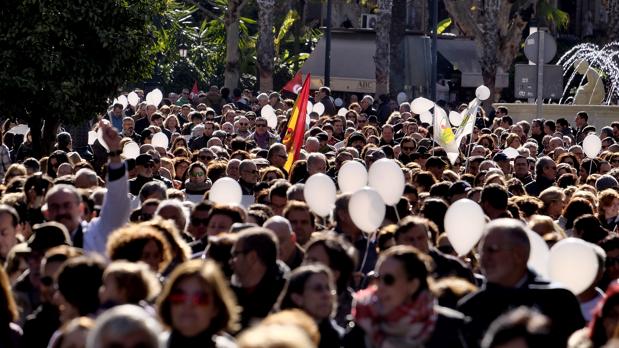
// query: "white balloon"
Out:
[426,117]
[401,98]
[154,97]
[133,98]
[592,145]
[267,111]
[539,254]
[482,92]
[573,263]
[319,108]
[226,191]
[455,118]
[510,152]
[92,136]
[160,139]
[352,176]
[387,178]
[342,112]
[309,107]
[464,224]
[421,104]
[319,192]
[131,150]
[272,121]
[338,102]
[123,100]
[100,136]
[367,209]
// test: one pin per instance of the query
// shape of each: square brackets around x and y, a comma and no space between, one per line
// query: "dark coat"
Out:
[258,302]
[40,326]
[536,187]
[449,266]
[330,334]
[559,304]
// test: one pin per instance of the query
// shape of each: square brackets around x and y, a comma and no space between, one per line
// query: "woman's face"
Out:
[515,143]
[109,291]
[180,169]
[197,175]
[191,307]
[394,289]
[152,255]
[317,297]
[218,223]
[612,210]
[317,253]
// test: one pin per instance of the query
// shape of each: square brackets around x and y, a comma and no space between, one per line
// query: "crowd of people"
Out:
[100,250]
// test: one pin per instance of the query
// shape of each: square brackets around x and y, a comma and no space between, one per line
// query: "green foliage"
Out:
[65,58]
[553,14]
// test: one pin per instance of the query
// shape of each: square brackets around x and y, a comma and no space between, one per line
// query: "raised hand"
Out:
[110,135]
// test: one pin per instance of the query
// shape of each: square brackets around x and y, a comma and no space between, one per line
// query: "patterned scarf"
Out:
[409,325]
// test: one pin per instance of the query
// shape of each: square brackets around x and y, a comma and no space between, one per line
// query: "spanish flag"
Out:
[296,125]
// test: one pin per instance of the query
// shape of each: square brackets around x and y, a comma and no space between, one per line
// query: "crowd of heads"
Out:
[105,249]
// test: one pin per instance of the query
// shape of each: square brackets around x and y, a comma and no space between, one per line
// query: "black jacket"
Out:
[536,187]
[559,304]
[258,302]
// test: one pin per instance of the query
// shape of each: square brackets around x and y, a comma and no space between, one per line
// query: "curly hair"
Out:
[127,243]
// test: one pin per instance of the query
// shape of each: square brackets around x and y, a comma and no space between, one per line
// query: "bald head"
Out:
[86,178]
[504,252]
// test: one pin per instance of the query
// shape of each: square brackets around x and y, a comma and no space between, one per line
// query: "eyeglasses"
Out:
[197,221]
[408,148]
[205,158]
[260,125]
[196,299]
[387,279]
[251,171]
[196,174]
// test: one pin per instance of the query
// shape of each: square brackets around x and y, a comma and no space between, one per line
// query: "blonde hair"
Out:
[135,279]
[286,329]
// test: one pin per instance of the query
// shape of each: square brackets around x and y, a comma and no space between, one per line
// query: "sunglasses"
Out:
[196,174]
[251,171]
[260,125]
[197,221]
[196,299]
[408,148]
[387,279]
[206,158]
[148,165]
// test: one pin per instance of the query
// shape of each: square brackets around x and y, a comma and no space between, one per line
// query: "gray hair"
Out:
[151,188]
[122,321]
[175,203]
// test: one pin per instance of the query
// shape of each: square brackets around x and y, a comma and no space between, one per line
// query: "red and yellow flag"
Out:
[296,125]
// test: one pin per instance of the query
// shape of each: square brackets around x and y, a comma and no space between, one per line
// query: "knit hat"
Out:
[605,182]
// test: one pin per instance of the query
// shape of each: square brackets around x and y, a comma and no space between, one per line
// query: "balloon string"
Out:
[590,166]
[397,214]
[367,249]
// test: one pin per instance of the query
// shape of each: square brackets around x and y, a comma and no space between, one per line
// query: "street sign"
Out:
[531,49]
[525,81]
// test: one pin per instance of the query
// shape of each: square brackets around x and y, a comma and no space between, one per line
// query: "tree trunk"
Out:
[613,20]
[264,49]
[42,142]
[497,31]
[381,57]
[396,48]
[232,73]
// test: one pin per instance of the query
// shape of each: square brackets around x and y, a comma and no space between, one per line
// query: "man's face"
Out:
[279,158]
[387,134]
[318,166]
[536,129]
[301,222]
[261,127]
[117,111]
[185,110]
[208,129]
[128,126]
[498,259]
[239,262]
[521,167]
[145,170]
[243,124]
[158,122]
[8,234]
[338,126]
[416,237]
[249,174]
[364,103]
[63,207]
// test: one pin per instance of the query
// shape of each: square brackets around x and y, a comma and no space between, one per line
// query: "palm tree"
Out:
[496,26]
[232,72]
[265,50]
[381,57]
